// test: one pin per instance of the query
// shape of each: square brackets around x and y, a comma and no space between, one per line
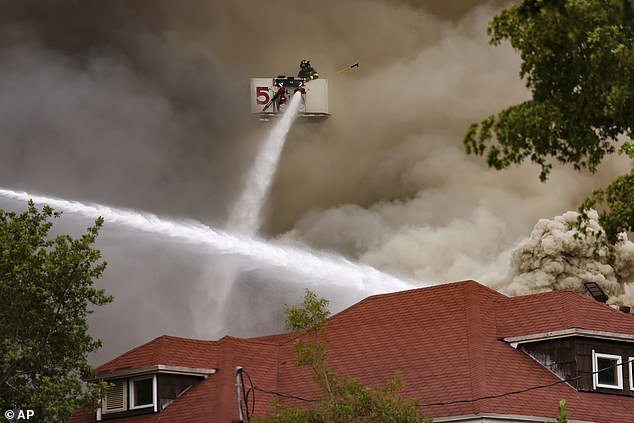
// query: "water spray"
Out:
[246,215]
[306,264]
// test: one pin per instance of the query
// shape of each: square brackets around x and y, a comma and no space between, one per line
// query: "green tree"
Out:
[562,413]
[617,203]
[578,61]
[45,295]
[345,399]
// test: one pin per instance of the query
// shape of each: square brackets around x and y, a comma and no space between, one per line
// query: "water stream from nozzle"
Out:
[247,213]
[308,265]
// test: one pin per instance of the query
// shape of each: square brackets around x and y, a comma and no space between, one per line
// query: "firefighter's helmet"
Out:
[304,64]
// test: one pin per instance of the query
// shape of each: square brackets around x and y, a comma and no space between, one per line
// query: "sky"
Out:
[142,105]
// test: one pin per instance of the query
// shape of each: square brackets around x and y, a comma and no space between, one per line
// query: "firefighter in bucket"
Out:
[306,71]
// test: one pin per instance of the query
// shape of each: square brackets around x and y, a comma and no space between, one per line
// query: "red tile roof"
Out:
[166,350]
[445,341]
[559,310]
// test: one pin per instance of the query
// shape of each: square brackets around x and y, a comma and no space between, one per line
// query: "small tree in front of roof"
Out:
[344,398]
[562,413]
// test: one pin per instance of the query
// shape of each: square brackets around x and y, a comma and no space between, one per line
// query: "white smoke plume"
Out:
[558,256]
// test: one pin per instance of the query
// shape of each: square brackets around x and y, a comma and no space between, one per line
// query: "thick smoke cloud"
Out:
[142,105]
[101,105]
[557,256]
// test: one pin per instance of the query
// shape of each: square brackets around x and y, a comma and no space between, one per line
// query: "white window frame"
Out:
[630,361]
[618,369]
[132,381]
[124,407]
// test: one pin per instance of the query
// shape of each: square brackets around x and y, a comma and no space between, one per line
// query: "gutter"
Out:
[156,368]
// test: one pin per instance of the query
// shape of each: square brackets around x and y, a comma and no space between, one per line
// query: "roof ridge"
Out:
[546,294]
[573,313]
[130,352]
[182,338]
[273,338]
[440,287]
[473,297]
[160,347]
[228,339]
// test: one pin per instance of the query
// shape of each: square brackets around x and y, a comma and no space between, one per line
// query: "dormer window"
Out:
[147,390]
[116,399]
[607,371]
[142,392]
[131,394]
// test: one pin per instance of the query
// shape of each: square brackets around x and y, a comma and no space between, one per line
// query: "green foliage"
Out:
[353,403]
[45,294]
[578,61]
[628,149]
[345,399]
[310,317]
[616,205]
[617,216]
[562,413]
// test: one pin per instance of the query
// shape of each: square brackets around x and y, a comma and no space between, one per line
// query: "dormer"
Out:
[594,361]
[587,344]
[146,390]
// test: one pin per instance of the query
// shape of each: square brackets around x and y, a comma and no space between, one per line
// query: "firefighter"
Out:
[306,71]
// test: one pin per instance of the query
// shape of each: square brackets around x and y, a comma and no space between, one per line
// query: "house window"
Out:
[631,366]
[115,398]
[142,392]
[607,371]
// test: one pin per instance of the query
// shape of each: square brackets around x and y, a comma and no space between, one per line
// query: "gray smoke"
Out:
[116,113]
[143,105]
[557,256]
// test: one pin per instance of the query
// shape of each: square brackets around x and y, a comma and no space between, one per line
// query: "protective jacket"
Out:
[307,71]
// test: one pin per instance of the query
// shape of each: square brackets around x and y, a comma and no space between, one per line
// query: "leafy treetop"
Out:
[345,399]
[578,61]
[45,296]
